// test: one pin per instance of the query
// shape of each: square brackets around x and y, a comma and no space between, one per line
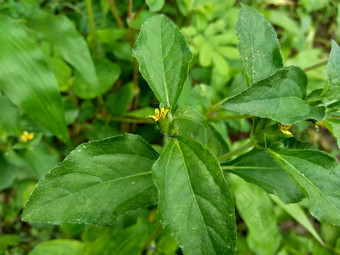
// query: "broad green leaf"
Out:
[129,241]
[278,97]
[318,175]
[259,46]
[59,247]
[257,211]
[333,72]
[163,56]
[61,33]
[97,183]
[155,5]
[190,123]
[296,212]
[195,203]
[261,169]
[27,80]
[108,73]
[191,114]
[333,125]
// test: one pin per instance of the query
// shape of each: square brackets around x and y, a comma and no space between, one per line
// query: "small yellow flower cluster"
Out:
[285,129]
[318,124]
[25,137]
[159,114]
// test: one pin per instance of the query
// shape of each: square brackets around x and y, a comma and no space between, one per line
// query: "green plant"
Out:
[102,180]
[224,158]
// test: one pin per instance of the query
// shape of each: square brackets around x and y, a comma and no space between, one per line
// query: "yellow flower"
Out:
[285,129]
[159,114]
[318,124]
[25,137]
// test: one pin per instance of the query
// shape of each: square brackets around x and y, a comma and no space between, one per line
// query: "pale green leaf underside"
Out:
[318,174]
[257,211]
[27,80]
[163,55]
[278,97]
[261,169]
[333,125]
[97,183]
[296,212]
[333,72]
[259,46]
[195,203]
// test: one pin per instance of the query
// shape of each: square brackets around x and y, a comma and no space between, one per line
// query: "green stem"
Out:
[153,237]
[132,120]
[115,13]
[230,117]
[236,152]
[216,106]
[226,168]
[309,68]
[135,74]
[92,27]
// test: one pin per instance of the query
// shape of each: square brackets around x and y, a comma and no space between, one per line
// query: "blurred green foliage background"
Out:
[88,48]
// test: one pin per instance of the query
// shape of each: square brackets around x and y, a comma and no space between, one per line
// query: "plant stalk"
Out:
[236,152]
[115,13]
[322,63]
[132,120]
[231,117]
[92,27]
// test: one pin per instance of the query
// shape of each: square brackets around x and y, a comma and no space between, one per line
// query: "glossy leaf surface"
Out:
[163,55]
[195,203]
[278,97]
[96,184]
[259,46]
[27,80]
